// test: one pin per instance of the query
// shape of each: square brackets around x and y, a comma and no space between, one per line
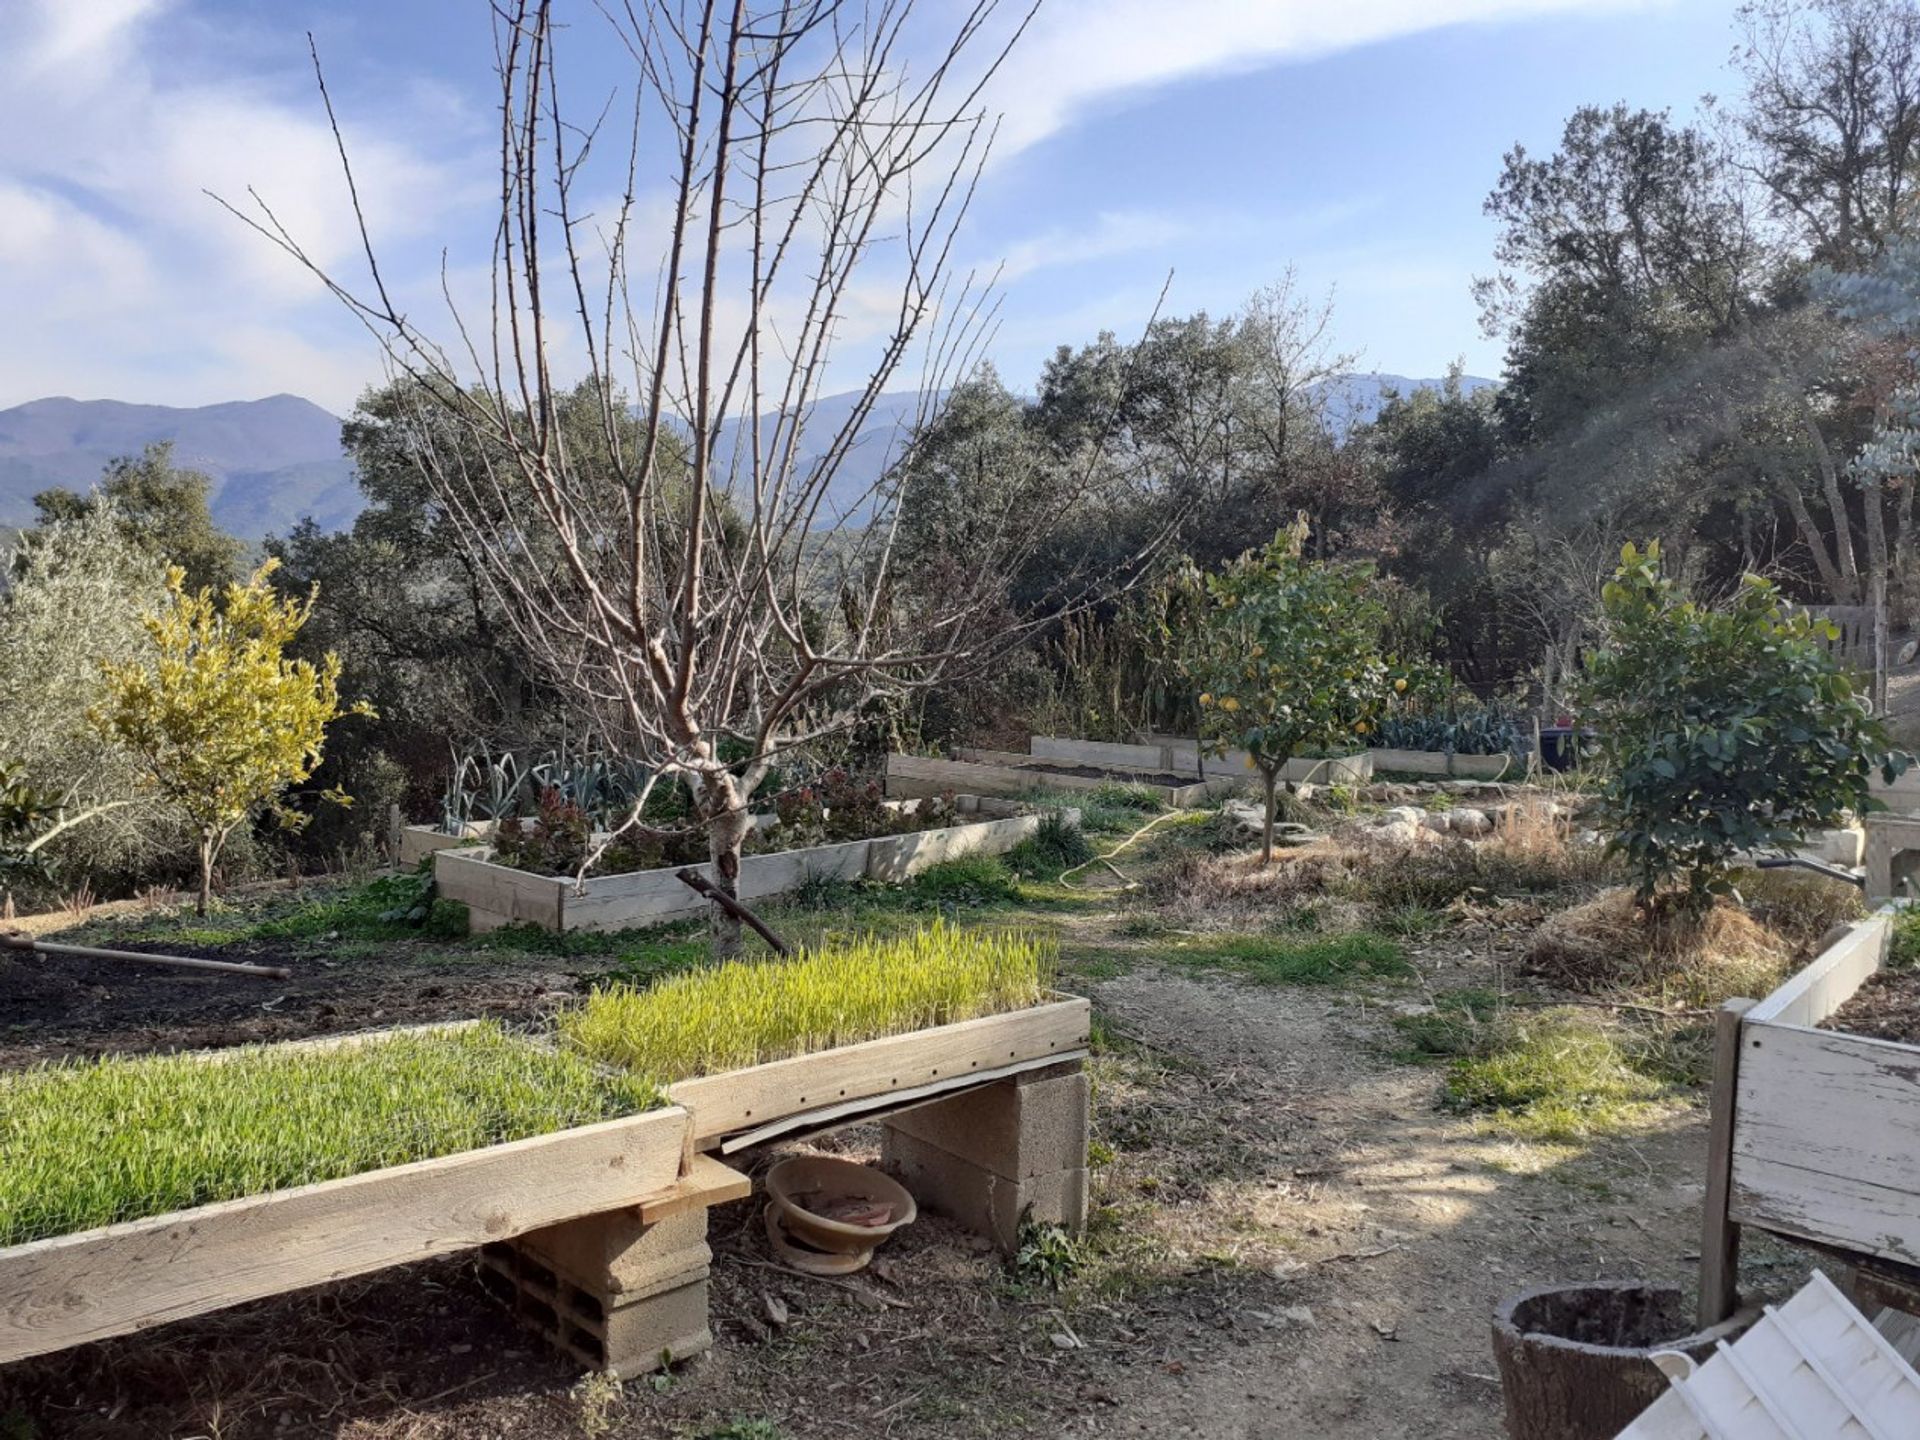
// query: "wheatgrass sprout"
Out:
[89,1143]
[745,1012]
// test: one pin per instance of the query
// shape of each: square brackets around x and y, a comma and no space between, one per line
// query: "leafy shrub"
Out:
[1724,730]
[1057,845]
[1120,796]
[1482,730]
[968,880]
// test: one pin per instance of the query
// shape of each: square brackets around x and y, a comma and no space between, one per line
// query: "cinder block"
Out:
[977,1197]
[650,1334]
[1026,1125]
[614,1254]
[628,1338]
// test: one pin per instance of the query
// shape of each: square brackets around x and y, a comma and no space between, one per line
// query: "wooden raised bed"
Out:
[497,895]
[117,1279]
[895,1069]
[911,775]
[1815,1133]
[417,842]
[71,1289]
[1439,762]
[1184,753]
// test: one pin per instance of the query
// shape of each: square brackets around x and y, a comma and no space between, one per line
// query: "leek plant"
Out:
[746,1012]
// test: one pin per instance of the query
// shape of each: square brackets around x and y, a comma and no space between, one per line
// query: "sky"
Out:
[1219,141]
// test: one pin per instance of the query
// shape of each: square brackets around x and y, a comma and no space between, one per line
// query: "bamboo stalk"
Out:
[15,940]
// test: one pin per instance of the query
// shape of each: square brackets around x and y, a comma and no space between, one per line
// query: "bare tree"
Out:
[707,588]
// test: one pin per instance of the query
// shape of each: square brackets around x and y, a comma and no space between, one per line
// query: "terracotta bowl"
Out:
[802,1181]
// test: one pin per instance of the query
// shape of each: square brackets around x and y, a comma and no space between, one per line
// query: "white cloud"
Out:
[118,275]
[1081,52]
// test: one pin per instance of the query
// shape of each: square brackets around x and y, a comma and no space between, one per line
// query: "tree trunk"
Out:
[1272,780]
[209,850]
[725,810]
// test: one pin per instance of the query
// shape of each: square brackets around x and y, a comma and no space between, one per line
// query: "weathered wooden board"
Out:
[499,895]
[1184,753]
[892,858]
[919,775]
[419,841]
[1438,762]
[1099,752]
[1828,981]
[1826,1139]
[87,1286]
[742,1099]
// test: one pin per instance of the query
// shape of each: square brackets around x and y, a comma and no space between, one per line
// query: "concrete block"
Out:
[651,1334]
[980,1199]
[1027,1125]
[615,1255]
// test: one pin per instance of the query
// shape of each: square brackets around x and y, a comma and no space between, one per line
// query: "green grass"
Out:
[1057,845]
[749,1011]
[1556,1076]
[1462,1023]
[1298,960]
[1903,946]
[92,1143]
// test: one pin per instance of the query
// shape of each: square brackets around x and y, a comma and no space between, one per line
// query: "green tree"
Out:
[163,509]
[1724,730]
[77,590]
[1286,656]
[222,720]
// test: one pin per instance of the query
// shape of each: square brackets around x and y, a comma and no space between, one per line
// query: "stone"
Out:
[989,1204]
[1438,821]
[1907,653]
[1403,814]
[1470,822]
[615,1255]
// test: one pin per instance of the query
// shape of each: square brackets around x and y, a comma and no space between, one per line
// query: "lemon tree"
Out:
[1287,658]
[223,722]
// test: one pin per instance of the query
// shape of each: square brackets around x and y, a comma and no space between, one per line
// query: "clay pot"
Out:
[804,1185]
[1573,1359]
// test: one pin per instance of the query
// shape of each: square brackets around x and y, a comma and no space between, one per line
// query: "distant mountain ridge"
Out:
[276,461]
[271,461]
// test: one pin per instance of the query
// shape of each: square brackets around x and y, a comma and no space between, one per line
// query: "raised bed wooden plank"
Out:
[1438,762]
[911,775]
[1828,981]
[1825,1135]
[87,1286]
[1098,752]
[497,893]
[892,858]
[744,1099]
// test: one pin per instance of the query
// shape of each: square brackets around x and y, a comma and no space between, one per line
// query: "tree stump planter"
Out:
[1574,1359]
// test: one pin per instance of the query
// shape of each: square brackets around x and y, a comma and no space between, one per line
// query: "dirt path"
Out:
[1395,1227]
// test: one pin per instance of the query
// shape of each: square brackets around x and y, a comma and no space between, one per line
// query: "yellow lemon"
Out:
[1400,686]
[1229,703]
[1206,699]
[1359,727]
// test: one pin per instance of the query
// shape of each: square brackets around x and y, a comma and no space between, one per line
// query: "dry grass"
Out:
[1343,883]
[1613,942]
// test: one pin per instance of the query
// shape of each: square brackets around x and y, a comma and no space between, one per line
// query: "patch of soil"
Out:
[56,1007]
[1885,1007]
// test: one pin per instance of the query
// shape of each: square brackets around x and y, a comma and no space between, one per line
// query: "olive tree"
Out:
[1286,654]
[1724,729]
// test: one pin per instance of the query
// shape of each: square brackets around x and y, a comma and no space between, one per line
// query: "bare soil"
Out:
[1170,778]
[55,1007]
[1886,1007]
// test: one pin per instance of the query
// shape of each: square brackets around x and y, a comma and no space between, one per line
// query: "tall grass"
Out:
[747,1012]
[91,1143]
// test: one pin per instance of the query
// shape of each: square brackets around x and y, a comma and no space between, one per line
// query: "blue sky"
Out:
[1220,139]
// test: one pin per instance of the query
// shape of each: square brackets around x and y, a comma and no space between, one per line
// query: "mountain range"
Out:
[275,461]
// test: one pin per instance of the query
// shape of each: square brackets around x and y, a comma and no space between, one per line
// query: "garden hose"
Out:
[1107,859]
